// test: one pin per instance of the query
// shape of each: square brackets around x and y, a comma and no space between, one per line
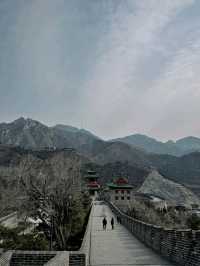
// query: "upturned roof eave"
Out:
[114,186]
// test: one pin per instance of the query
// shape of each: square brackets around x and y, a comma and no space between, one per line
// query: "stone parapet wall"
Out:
[5,258]
[77,259]
[42,258]
[31,258]
[50,258]
[68,258]
[86,244]
[179,246]
[61,259]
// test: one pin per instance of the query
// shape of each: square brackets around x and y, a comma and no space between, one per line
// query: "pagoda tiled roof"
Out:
[120,183]
[115,186]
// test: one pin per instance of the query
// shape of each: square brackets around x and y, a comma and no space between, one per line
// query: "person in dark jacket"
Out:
[112,223]
[104,222]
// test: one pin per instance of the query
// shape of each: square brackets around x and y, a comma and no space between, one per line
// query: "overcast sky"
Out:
[115,67]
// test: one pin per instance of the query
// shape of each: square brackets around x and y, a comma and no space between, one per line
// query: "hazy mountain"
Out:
[124,161]
[185,169]
[151,145]
[189,144]
[173,192]
[118,151]
[109,171]
[26,133]
[29,133]
[129,153]
[68,129]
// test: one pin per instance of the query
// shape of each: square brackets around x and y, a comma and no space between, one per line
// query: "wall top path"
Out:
[118,246]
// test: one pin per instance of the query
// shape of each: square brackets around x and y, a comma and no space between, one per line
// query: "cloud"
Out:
[116,85]
[178,92]
[114,67]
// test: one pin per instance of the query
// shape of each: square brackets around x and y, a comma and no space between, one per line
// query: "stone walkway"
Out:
[117,247]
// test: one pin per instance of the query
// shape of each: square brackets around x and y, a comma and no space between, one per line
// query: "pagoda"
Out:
[92,184]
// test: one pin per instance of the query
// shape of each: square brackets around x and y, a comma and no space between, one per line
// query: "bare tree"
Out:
[50,197]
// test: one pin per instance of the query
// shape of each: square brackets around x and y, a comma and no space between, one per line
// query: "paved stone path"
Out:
[117,247]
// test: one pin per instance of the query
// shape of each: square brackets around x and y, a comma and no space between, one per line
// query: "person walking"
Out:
[104,223]
[112,223]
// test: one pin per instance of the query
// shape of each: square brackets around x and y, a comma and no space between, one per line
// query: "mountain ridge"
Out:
[31,133]
[178,148]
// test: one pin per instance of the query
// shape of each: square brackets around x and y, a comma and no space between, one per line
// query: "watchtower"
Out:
[92,183]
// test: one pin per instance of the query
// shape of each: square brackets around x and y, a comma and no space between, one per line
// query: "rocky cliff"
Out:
[173,192]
